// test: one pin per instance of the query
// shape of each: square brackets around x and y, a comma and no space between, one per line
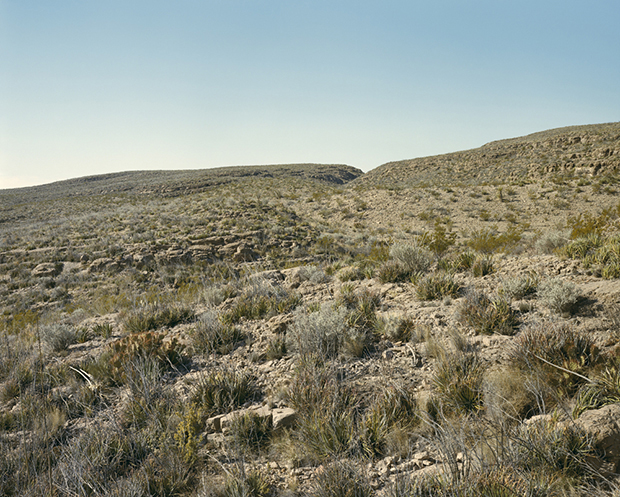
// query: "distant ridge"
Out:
[170,183]
[575,150]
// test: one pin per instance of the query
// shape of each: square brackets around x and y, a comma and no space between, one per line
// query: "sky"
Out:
[92,87]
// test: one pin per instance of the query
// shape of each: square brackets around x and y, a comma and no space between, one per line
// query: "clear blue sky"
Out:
[89,87]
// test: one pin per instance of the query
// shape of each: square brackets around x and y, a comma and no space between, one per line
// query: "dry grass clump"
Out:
[258,299]
[557,354]
[458,383]
[58,337]
[153,317]
[558,295]
[394,412]
[224,389]
[437,286]
[328,411]
[342,479]
[487,316]
[211,336]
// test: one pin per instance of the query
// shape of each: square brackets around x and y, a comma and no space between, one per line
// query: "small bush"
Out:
[437,286]
[559,295]
[223,390]
[487,316]
[518,287]
[550,242]
[322,332]
[211,336]
[415,258]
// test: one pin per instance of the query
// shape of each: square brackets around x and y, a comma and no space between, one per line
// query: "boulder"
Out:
[603,426]
[283,418]
[104,264]
[244,254]
[47,269]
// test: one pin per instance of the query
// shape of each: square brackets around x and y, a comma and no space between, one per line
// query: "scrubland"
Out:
[298,332]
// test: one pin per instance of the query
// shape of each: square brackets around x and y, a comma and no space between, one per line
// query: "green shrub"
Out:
[487,316]
[437,286]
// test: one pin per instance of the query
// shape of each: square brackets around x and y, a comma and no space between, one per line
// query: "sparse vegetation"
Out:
[277,331]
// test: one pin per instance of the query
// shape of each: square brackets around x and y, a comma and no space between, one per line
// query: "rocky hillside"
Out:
[592,150]
[273,332]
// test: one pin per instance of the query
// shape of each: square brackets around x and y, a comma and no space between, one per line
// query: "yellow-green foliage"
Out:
[188,434]
[586,224]
[489,241]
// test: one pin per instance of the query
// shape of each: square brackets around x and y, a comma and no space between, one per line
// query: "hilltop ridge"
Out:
[588,150]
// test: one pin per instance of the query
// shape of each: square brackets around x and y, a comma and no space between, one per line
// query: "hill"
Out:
[171,183]
[576,150]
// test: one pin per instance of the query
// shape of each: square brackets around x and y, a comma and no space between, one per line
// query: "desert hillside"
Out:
[575,150]
[443,326]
